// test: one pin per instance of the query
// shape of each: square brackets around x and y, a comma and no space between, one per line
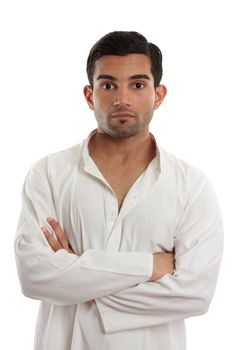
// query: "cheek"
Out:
[100,102]
[147,101]
[152,100]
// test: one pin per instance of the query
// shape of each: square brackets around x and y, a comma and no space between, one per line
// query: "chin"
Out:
[122,134]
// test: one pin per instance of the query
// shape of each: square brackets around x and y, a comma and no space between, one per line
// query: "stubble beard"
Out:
[121,129]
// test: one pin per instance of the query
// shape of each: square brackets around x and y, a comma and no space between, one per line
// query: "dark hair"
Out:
[122,43]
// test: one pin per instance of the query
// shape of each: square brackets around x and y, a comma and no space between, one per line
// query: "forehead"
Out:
[123,66]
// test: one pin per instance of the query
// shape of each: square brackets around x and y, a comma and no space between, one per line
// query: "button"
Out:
[137,193]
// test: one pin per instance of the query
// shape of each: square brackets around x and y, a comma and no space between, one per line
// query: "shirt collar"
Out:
[154,166]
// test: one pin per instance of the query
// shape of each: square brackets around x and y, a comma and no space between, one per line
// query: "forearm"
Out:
[171,298]
[60,277]
[63,278]
[198,248]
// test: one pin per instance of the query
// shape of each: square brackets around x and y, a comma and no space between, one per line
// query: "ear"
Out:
[160,93]
[88,96]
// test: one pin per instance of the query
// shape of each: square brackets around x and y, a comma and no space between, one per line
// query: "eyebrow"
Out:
[132,77]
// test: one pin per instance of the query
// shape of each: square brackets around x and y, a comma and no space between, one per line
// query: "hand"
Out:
[61,242]
[164,263]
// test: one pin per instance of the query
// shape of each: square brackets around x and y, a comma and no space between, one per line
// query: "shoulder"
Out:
[193,188]
[62,160]
[185,177]
[181,169]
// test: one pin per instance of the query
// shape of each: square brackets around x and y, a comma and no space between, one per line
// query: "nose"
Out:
[122,98]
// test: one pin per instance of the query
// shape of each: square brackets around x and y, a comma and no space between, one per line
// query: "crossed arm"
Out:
[139,303]
[138,285]
[163,263]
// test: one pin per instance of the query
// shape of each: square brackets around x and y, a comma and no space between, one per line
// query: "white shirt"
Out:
[172,205]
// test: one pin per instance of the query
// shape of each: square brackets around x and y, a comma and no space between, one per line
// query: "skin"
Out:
[123,104]
[123,99]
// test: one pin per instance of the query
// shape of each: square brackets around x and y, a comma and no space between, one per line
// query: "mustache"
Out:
[120,111]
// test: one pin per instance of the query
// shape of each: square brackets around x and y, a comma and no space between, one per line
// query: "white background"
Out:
[44,46]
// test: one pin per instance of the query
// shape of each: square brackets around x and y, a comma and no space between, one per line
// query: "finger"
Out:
[70,250]
[61,237]
[54,244]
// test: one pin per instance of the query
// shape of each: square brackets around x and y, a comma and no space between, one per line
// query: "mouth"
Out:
[123,115]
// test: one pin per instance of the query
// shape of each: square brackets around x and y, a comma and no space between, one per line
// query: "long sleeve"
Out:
[198,243]
[62,278]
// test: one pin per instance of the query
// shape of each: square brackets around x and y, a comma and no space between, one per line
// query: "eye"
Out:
[107,86]
[138,85]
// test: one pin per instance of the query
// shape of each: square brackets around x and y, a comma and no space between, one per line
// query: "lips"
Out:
[123,115]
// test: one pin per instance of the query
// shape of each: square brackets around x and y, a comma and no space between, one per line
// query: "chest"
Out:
[88,211]
[121,180]
[121,177]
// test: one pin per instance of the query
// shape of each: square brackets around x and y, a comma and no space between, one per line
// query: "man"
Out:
[120,240]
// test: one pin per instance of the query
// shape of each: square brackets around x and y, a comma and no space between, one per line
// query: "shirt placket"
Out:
[114,218]
[113,231]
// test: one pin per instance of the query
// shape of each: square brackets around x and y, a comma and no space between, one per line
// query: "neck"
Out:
[122,149]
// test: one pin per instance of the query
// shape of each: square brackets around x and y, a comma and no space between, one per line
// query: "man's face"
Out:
[123,97]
